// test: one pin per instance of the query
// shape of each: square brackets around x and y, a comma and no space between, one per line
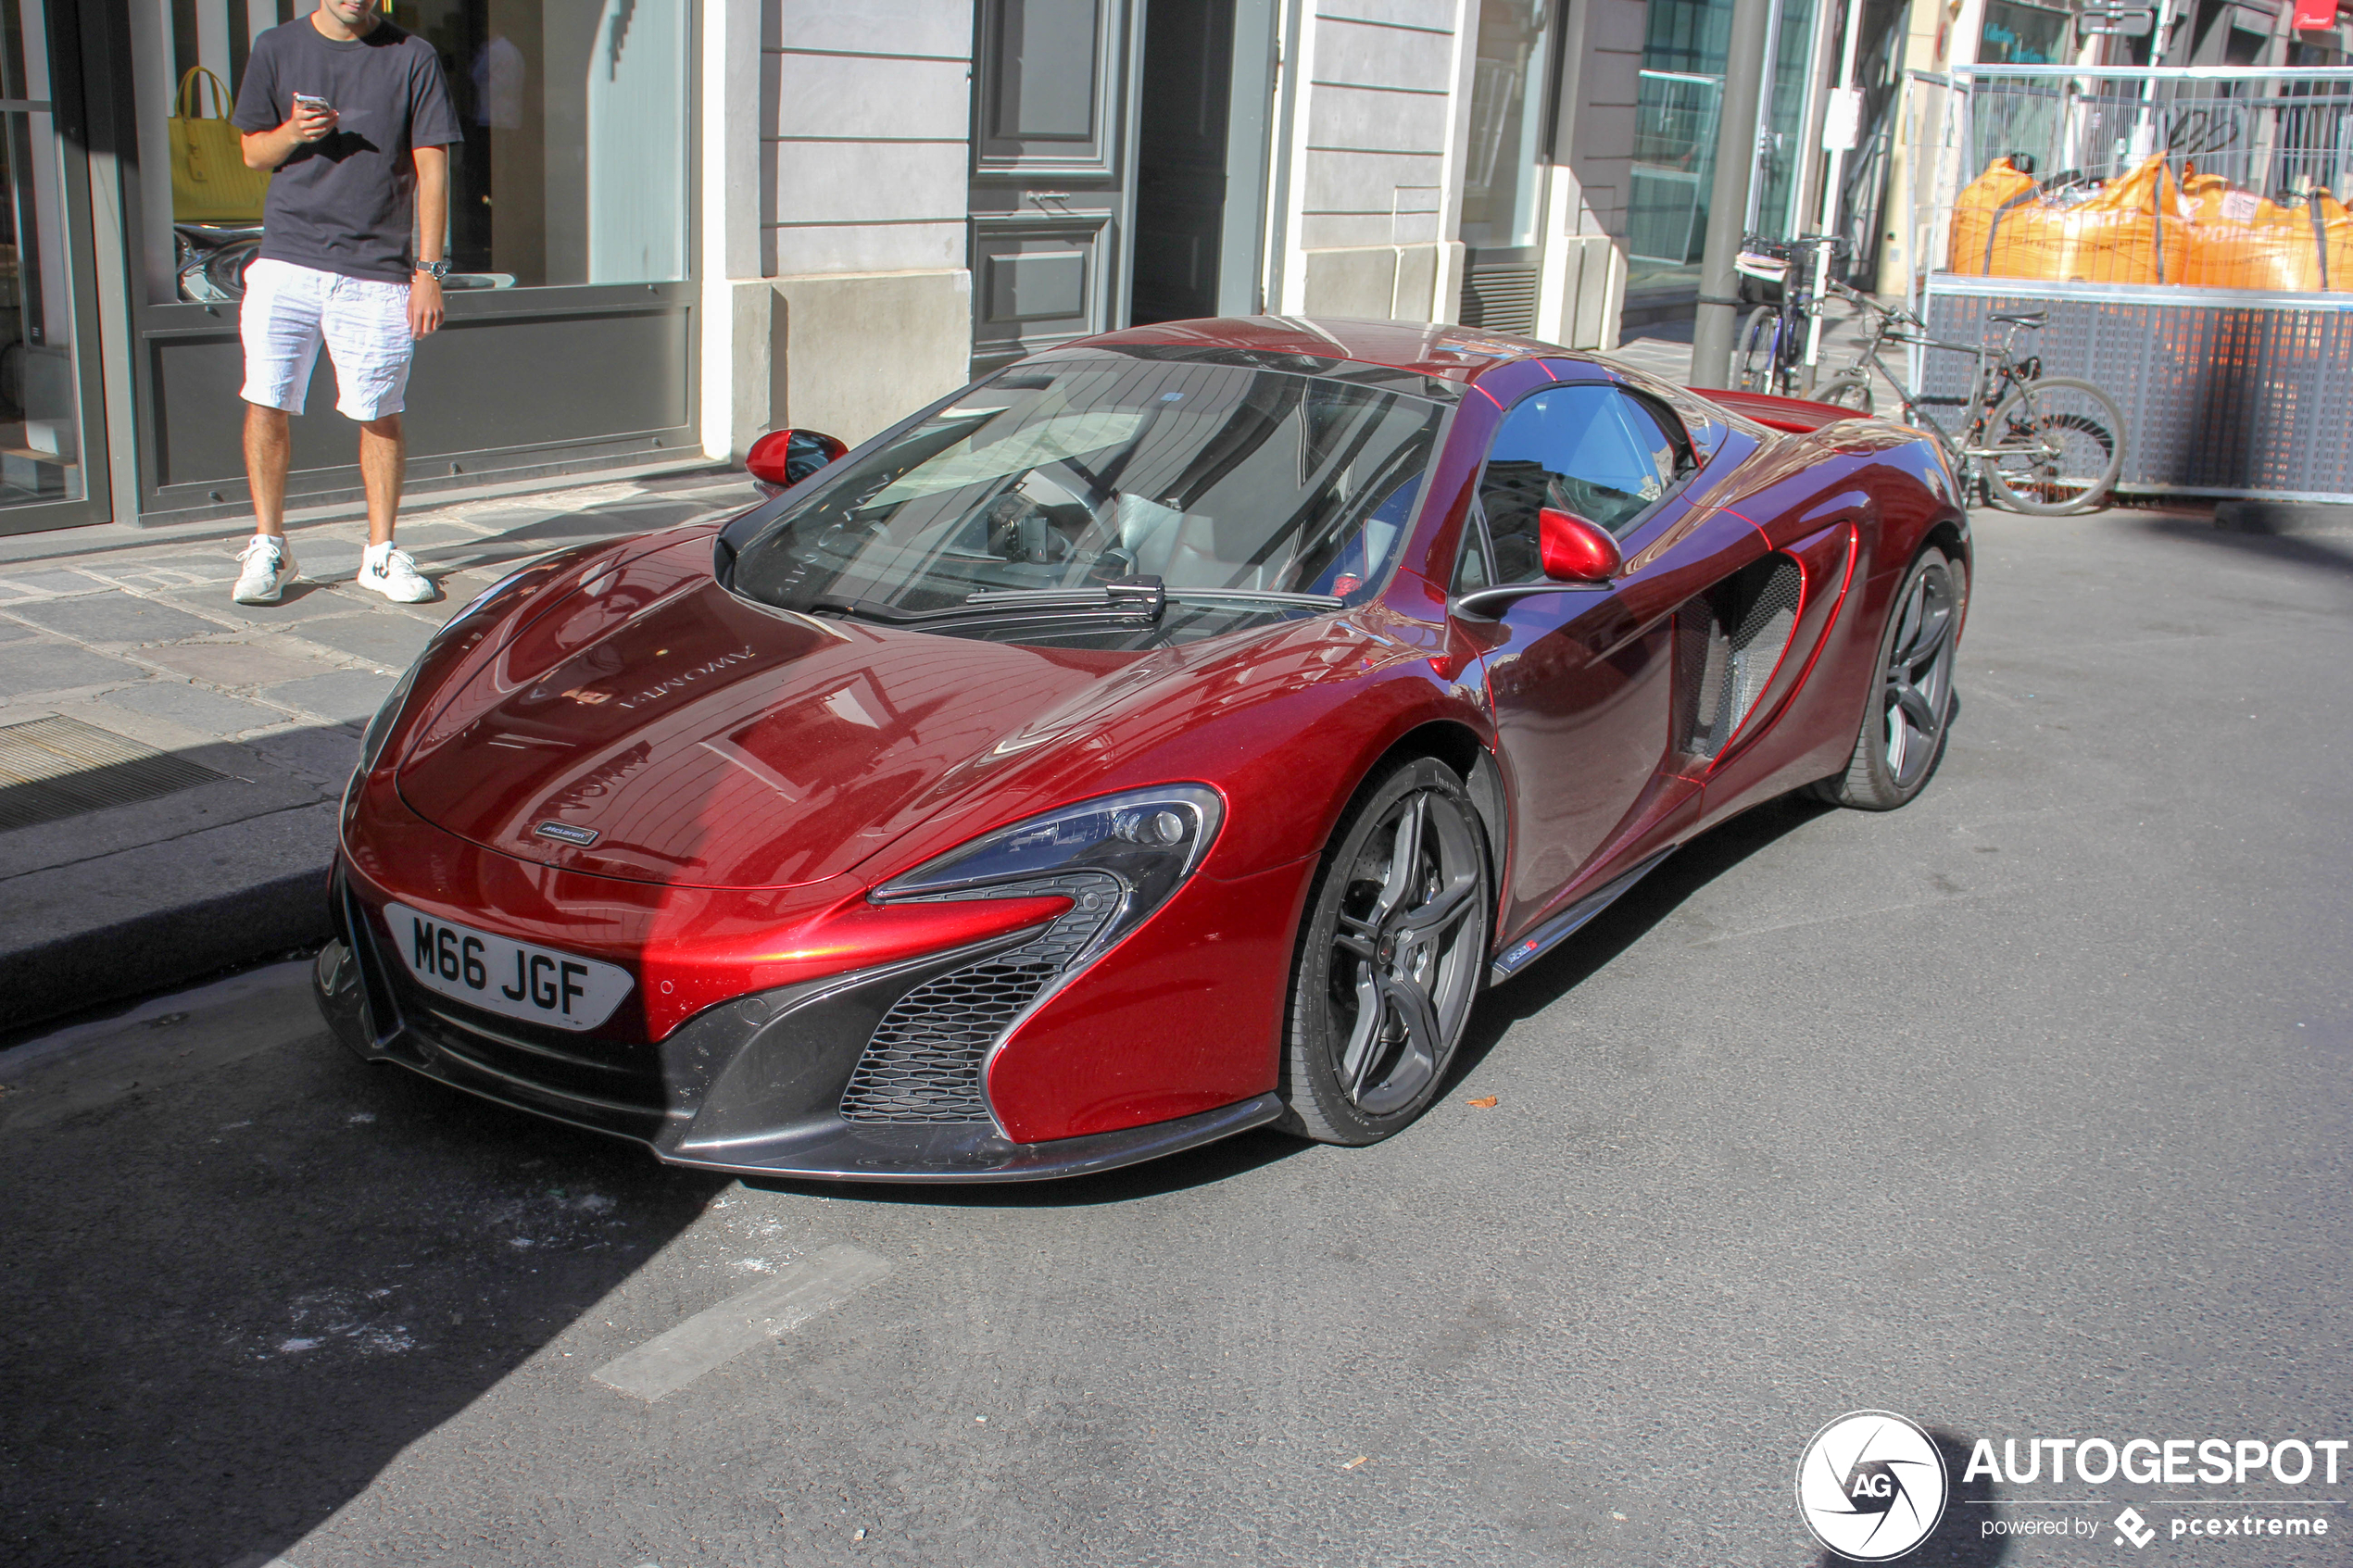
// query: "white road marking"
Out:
[805,1289]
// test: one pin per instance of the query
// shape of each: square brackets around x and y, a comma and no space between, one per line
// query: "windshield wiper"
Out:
[1129,601]
[1142,588]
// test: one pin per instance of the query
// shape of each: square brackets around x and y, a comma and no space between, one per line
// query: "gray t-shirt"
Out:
[345,202]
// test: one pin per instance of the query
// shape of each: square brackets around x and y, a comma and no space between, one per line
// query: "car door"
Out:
[1583,682]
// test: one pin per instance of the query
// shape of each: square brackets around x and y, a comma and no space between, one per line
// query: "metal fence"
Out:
[2275,132]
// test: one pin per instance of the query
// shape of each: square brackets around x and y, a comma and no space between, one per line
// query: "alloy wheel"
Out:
[1917,687]
[1404,962]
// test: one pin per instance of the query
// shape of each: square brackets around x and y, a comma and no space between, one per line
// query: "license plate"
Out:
[499,975]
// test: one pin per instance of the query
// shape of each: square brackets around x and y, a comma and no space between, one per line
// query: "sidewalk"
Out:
[208,741]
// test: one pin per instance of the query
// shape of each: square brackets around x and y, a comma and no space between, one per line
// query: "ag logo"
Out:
[1870,1485]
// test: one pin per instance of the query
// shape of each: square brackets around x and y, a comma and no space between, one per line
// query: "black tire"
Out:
[1848,389]
[1389,960]
[1754,360]
[2059,447]
[1912,701]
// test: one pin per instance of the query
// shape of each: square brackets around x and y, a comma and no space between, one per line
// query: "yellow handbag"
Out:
[210,181]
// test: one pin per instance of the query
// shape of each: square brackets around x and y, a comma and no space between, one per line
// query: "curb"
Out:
[162,949]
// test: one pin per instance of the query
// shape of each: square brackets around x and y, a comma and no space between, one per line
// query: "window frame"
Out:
[1480,535]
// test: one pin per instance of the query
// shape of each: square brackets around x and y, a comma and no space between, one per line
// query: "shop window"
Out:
[40,396]
[2022,35]
[1510,81]
[573,168]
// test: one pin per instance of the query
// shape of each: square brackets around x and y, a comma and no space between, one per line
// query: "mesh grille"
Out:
[1761,635]
[924,1064]
[52,769]
[1727,648]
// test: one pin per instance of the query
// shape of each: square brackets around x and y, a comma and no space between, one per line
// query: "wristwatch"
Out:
[436,271]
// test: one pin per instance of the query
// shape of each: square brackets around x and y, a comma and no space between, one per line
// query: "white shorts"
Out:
[290,309]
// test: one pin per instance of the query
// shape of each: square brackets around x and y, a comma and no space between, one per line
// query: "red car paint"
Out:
[753,774]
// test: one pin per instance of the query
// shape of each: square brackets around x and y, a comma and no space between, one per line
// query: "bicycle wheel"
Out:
[2057,447]
[1848,389]
[1755,359]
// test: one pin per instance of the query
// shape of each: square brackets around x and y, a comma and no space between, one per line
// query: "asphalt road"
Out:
[2022,1112]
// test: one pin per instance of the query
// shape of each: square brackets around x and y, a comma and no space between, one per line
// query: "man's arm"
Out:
[267,149]
[432,223]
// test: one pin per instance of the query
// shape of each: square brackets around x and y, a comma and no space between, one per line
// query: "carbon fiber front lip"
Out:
[835,1150]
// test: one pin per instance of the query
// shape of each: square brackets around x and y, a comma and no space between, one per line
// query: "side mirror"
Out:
[781,459]
[1574,550]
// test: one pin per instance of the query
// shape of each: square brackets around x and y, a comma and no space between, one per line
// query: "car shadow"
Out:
[246,1270]
[1625,922]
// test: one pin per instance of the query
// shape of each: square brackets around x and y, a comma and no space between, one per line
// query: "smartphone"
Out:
[312,100]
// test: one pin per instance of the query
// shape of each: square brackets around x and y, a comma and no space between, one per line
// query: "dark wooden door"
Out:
[1049,196]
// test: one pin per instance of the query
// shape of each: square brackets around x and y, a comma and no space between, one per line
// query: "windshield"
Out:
[1074,474]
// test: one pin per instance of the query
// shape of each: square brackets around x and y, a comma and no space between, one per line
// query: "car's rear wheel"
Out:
[1911,708]
[1391,953]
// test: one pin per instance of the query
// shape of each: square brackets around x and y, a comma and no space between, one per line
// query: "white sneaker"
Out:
[392,572]
[267,565]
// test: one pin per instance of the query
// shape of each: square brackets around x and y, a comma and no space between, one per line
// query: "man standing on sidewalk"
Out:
[353,114]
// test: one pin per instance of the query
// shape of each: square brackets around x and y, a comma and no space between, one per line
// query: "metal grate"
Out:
[2223,393]
[51,769]
[924,1064]
[1501,298]
[1728,644]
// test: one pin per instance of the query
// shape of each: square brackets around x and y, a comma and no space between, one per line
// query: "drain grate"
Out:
[51,769]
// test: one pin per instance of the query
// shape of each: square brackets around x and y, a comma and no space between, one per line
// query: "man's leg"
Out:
[367,330]
[269,451]
[279,325]
[383,452]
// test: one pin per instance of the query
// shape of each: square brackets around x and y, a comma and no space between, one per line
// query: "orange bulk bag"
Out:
[2127,232]
[2235,238]
[1977,214]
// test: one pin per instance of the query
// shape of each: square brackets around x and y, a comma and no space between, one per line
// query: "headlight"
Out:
[1116,858]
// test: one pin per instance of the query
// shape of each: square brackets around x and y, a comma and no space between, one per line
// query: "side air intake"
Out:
[1728,644]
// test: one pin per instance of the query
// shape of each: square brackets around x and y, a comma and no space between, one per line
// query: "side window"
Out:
[1587,447]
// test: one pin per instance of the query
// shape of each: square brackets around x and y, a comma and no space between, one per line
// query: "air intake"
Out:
[925,1061]
[1726,646]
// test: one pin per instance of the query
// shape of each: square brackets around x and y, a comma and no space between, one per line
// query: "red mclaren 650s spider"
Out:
[1168,734]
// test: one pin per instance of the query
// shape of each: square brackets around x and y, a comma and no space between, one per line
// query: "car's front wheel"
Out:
[1390,957]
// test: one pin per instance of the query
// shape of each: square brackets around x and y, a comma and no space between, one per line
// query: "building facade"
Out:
[676,223]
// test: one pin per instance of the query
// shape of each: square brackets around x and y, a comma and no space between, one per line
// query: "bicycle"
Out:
[2045,446]
[1768,355]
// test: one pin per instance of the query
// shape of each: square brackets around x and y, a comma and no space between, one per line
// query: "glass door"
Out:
[1503,159]
[52,449]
